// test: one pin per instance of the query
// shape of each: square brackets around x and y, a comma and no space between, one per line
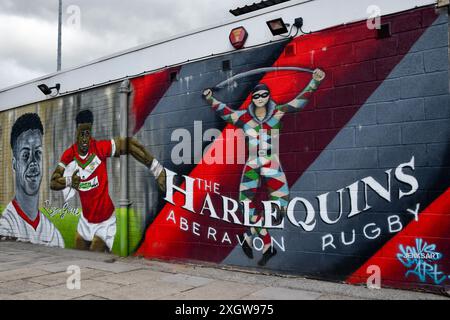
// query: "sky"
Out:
[92,29]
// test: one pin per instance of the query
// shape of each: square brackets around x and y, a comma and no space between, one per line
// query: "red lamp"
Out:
[238,36]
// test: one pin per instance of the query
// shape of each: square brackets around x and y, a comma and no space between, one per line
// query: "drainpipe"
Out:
[124,202]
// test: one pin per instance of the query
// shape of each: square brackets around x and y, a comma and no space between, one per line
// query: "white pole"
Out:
[59,36]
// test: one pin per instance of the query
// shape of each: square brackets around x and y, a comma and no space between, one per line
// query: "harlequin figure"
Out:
[261,123]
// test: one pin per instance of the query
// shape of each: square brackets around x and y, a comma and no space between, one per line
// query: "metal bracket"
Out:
[125,203]
[442,3]
[125,86]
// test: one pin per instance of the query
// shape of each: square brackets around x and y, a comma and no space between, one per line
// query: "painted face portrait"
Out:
[260,98]
[84,131]
[27,161]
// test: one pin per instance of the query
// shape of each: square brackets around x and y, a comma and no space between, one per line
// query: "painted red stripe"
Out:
[352,77]
[148,91]
[433,227]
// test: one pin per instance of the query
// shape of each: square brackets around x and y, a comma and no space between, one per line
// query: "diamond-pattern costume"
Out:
[263,165]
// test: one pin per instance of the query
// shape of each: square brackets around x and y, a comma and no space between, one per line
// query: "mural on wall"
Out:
[83,169]
[22,220]
[321,155]
[355,168]
[422,261]
[82,215]
[261,123]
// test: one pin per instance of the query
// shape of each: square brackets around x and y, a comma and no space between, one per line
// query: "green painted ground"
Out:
[67,226]
[67,222]
[135,232]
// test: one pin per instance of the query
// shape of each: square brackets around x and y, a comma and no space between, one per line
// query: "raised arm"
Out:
[133,147]
[225,112]
[302,99]
[138,151]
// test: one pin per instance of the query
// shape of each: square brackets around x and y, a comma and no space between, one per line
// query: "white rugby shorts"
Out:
[105,230]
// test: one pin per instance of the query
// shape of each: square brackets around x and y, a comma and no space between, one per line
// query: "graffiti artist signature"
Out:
[62,212]
[421,261]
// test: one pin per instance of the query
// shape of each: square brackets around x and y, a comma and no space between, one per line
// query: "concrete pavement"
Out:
[36,272]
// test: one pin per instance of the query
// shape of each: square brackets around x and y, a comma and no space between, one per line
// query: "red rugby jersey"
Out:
[93,190]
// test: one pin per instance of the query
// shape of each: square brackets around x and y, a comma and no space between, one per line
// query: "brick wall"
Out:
[383,104]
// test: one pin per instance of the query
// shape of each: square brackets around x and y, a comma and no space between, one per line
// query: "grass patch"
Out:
[67,222]
[134,231]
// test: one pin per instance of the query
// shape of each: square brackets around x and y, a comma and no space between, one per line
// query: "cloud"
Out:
[28,30]
[11,72]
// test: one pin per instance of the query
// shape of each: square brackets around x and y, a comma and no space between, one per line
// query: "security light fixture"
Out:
[442,3]
[277,26]
[47,91]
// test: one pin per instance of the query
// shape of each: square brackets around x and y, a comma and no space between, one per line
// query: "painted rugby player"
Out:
[260,121]
[22,220]
[97,225]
